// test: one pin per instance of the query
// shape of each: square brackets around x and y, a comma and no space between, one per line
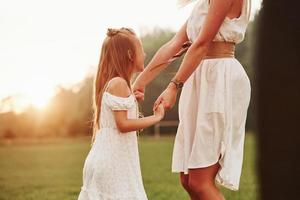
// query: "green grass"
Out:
[53,171]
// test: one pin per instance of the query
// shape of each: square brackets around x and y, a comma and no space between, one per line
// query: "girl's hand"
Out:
[159,112]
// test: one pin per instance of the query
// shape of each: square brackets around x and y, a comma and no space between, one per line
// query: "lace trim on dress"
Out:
[119,103]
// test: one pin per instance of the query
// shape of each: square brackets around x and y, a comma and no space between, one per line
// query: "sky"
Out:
[45,43]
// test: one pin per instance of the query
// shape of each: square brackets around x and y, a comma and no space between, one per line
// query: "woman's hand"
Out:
[168,97]
[139,95]
[138,91]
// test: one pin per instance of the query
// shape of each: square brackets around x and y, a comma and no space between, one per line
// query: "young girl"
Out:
[112,168]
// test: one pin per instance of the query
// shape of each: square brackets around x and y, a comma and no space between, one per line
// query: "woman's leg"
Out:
[202,183]
[184,179]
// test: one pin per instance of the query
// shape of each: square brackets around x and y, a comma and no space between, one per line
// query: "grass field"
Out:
[53,170]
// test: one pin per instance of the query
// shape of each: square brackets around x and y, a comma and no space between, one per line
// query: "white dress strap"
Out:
[119,103]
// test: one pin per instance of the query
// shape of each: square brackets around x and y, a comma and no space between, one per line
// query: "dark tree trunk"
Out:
[278,99]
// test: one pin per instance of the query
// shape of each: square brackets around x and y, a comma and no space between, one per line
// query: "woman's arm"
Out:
[166,52]
[118,87]
[216,14]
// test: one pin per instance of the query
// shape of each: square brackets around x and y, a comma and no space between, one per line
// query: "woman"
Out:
[214,99]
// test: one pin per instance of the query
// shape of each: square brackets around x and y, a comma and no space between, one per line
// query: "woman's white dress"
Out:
[213,106]
[112,168]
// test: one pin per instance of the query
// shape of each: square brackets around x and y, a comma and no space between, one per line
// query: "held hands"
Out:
[159,112]
[164,102]
[167,98]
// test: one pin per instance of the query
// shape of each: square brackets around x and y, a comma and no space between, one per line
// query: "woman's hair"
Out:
[182,3]
[117,56]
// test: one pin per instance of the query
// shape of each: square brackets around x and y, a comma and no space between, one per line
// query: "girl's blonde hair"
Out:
[117,58]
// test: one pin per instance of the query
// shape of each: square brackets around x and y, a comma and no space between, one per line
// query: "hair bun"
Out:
[112,32]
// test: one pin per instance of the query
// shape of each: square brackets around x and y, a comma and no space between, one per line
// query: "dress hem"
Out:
[89,194]
[219,180]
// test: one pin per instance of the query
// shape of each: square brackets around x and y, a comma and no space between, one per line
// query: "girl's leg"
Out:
[202,183]
[184,179]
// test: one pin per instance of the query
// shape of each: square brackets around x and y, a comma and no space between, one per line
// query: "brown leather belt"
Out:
[220,50]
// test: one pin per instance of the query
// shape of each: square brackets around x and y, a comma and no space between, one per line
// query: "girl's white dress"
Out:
[112,168]
[213,106]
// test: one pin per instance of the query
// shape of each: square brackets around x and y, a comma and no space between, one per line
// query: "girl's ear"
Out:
[130,55]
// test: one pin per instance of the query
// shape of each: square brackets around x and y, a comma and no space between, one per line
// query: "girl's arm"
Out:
[166,52]
[119,87]
[126,125]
